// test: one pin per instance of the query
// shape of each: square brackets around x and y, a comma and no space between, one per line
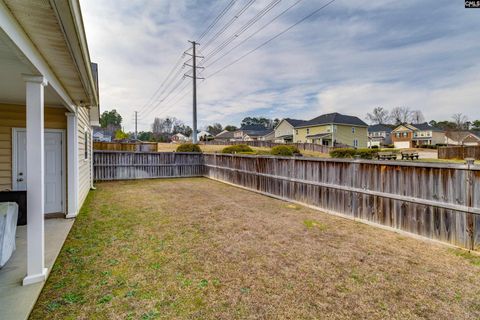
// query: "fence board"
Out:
[459,152]
[110,165]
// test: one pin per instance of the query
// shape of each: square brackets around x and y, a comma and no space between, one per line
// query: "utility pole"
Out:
[194,78]
[136,118]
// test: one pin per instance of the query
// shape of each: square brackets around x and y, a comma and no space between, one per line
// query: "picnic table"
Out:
[409,155]
[387,155]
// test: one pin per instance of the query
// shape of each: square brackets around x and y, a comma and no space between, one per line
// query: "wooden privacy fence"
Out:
[433,200]
[126,146]
[440,202]
[459,152]
[121,165]
[269,144]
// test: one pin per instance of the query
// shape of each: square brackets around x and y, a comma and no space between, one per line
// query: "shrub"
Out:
[374,147]
[188,147]
[342,153]
[389,146]
[351,153]
[366,153]
[237,149]
[286,151]
[294,149]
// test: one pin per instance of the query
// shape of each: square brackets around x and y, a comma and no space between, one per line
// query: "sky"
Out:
[353,56]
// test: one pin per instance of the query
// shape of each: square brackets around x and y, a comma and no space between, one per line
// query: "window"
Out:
[296,131]
[355,143]
[404,134]
[86,137]
[353,129]
[398,135]
[308,131]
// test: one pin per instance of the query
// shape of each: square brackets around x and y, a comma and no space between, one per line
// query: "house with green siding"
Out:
[333,129]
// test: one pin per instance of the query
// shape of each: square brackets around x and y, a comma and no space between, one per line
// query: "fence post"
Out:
[469,202]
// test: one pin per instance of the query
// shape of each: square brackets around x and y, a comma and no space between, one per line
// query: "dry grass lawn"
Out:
[200,249]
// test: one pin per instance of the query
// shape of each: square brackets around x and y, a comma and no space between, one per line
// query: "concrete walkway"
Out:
[17,301]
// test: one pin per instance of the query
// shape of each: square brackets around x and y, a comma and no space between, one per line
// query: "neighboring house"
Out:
[225,136]
[178,137]
[269,136]
[379,135]
[416,135]
[48,104]
[100,135]
[333,129]
[465,138]
[285,129]
[201,135]
[251,133]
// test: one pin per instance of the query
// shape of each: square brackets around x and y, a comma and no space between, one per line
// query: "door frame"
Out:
[63,169]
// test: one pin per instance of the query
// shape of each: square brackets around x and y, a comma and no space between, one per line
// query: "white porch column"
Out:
[72,160]
[36,271]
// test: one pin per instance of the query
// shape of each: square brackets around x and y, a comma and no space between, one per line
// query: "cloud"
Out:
[351,57]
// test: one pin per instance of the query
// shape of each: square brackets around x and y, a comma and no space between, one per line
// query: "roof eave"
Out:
[69,16]
[332,123]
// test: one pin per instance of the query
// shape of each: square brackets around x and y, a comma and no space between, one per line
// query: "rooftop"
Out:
[334,118]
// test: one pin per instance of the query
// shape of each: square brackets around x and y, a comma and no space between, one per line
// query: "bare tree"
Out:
[417,117]
[401,115]
[157,125]
[379,116]
[461,121]
[165,125]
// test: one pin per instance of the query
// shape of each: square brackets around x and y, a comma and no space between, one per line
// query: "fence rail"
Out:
[438,201]
[269,144]
[459,152]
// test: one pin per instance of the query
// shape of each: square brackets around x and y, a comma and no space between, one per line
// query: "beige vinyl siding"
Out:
[84,174]
[14,116]
[283,129]
[345,135]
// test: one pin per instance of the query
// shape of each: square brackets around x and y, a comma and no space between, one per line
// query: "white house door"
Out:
[53,168]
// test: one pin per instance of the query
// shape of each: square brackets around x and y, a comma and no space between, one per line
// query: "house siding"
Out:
[343,134]
[14,116]
[283,129]
[84,165]
[301,136]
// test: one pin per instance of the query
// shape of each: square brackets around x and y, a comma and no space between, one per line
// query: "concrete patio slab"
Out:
[17,301]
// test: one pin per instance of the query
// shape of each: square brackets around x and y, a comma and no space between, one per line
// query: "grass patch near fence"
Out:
[200,249]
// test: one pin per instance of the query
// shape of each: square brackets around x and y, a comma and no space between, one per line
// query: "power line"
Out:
[177,84]
[218,18]
[242,29]
[273,38]
[229,23]
[163,82]
[253,34]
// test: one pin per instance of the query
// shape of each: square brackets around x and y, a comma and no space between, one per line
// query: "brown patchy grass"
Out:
[200,249]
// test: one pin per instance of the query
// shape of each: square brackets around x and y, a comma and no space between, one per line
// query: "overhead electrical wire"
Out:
[217,19]
[271,39]
[229,23]
[175,66]
[241,30]
[253,34]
